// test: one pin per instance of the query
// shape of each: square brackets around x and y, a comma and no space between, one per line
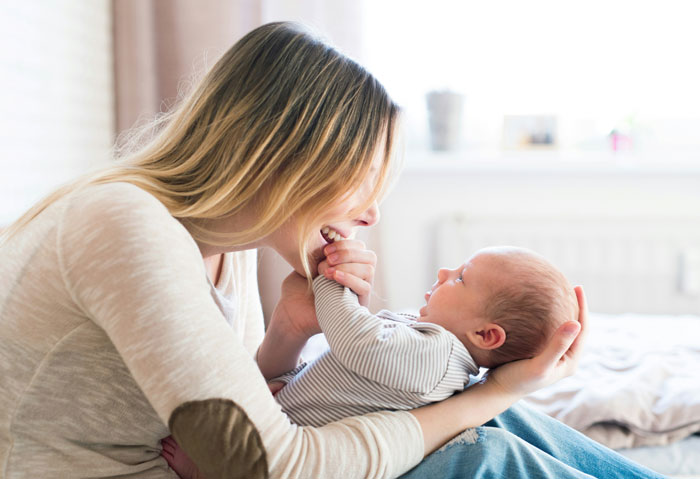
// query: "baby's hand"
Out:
[351,264]
[178,460]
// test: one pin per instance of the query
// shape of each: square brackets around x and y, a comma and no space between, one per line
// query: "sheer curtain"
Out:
[56,96]
[160,45]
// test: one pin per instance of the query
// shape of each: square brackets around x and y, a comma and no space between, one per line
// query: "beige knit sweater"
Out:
[108,323]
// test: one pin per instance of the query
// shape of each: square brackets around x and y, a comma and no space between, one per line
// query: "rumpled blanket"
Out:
[638,383]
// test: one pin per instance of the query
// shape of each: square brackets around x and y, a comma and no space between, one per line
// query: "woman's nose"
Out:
[370,216]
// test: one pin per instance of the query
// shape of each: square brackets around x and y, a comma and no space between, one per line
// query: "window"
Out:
[56,96]
[595,66]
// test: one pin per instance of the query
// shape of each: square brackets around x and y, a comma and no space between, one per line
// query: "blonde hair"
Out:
[283,123]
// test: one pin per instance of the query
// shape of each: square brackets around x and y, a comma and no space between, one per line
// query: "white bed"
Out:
[679,460]
[637,390]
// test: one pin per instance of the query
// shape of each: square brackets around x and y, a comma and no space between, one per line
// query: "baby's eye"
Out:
[459,278]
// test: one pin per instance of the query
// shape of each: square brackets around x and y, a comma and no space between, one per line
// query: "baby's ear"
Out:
[490,336]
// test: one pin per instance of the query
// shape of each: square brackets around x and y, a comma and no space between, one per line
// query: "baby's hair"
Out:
[529,306]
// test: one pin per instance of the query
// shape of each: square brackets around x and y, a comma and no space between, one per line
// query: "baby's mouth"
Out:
[330,235]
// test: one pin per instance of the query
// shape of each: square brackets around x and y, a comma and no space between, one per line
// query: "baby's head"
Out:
[503,304]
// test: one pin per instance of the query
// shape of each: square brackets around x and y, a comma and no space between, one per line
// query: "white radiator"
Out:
[625,265]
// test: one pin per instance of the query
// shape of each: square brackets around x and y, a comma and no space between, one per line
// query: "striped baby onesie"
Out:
[377,362]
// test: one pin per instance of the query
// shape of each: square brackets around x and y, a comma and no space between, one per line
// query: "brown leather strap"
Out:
[220,439]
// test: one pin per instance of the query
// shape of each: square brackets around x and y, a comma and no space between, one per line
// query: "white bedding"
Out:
[680,460]
[638,383]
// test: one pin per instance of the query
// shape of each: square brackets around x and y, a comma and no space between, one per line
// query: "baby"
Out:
[500,306]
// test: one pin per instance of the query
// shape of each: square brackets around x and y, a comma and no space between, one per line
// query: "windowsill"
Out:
[551,162]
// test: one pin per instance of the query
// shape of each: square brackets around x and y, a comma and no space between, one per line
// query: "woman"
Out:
[116,333]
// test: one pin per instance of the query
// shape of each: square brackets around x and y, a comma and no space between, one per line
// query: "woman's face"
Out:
[342,219]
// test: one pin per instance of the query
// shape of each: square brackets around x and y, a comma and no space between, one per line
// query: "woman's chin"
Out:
[314,259]
[297,266]
[315,256]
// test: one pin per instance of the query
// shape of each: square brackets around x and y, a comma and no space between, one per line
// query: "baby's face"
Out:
[457,299]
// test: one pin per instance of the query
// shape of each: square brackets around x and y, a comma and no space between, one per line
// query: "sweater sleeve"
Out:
[380,349]
[137,273]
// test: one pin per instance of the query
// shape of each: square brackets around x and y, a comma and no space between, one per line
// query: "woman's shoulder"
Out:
[121,212]
[121,201]
[114,196]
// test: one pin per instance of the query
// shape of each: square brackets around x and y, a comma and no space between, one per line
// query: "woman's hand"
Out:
[558,360]
[295,310]
[351,264]
[292,323]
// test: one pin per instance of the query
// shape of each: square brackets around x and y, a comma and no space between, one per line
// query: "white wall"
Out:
[436,187]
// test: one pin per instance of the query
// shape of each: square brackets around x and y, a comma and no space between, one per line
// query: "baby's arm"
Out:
[385,351]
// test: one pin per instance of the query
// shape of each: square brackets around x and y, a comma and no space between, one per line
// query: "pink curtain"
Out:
[158,43]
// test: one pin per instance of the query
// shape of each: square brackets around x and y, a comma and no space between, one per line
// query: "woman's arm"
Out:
[505,385]
[292,323]
[135,272]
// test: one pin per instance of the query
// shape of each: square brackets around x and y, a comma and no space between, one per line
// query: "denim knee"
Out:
[469,436]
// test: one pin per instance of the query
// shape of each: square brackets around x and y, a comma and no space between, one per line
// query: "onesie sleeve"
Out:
[386,351]
[137,273]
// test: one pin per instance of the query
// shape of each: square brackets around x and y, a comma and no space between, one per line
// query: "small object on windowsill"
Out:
[445,119]
[620,141]
[526,132]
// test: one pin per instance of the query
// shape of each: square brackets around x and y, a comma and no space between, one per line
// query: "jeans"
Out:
[524,443]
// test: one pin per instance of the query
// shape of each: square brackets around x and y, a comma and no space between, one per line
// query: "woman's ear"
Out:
[489,336]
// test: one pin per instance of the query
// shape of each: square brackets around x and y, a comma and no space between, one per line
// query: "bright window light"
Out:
[56,96]
[597,66]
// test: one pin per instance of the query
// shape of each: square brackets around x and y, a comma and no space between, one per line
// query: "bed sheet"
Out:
[638,383]
[678,460]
